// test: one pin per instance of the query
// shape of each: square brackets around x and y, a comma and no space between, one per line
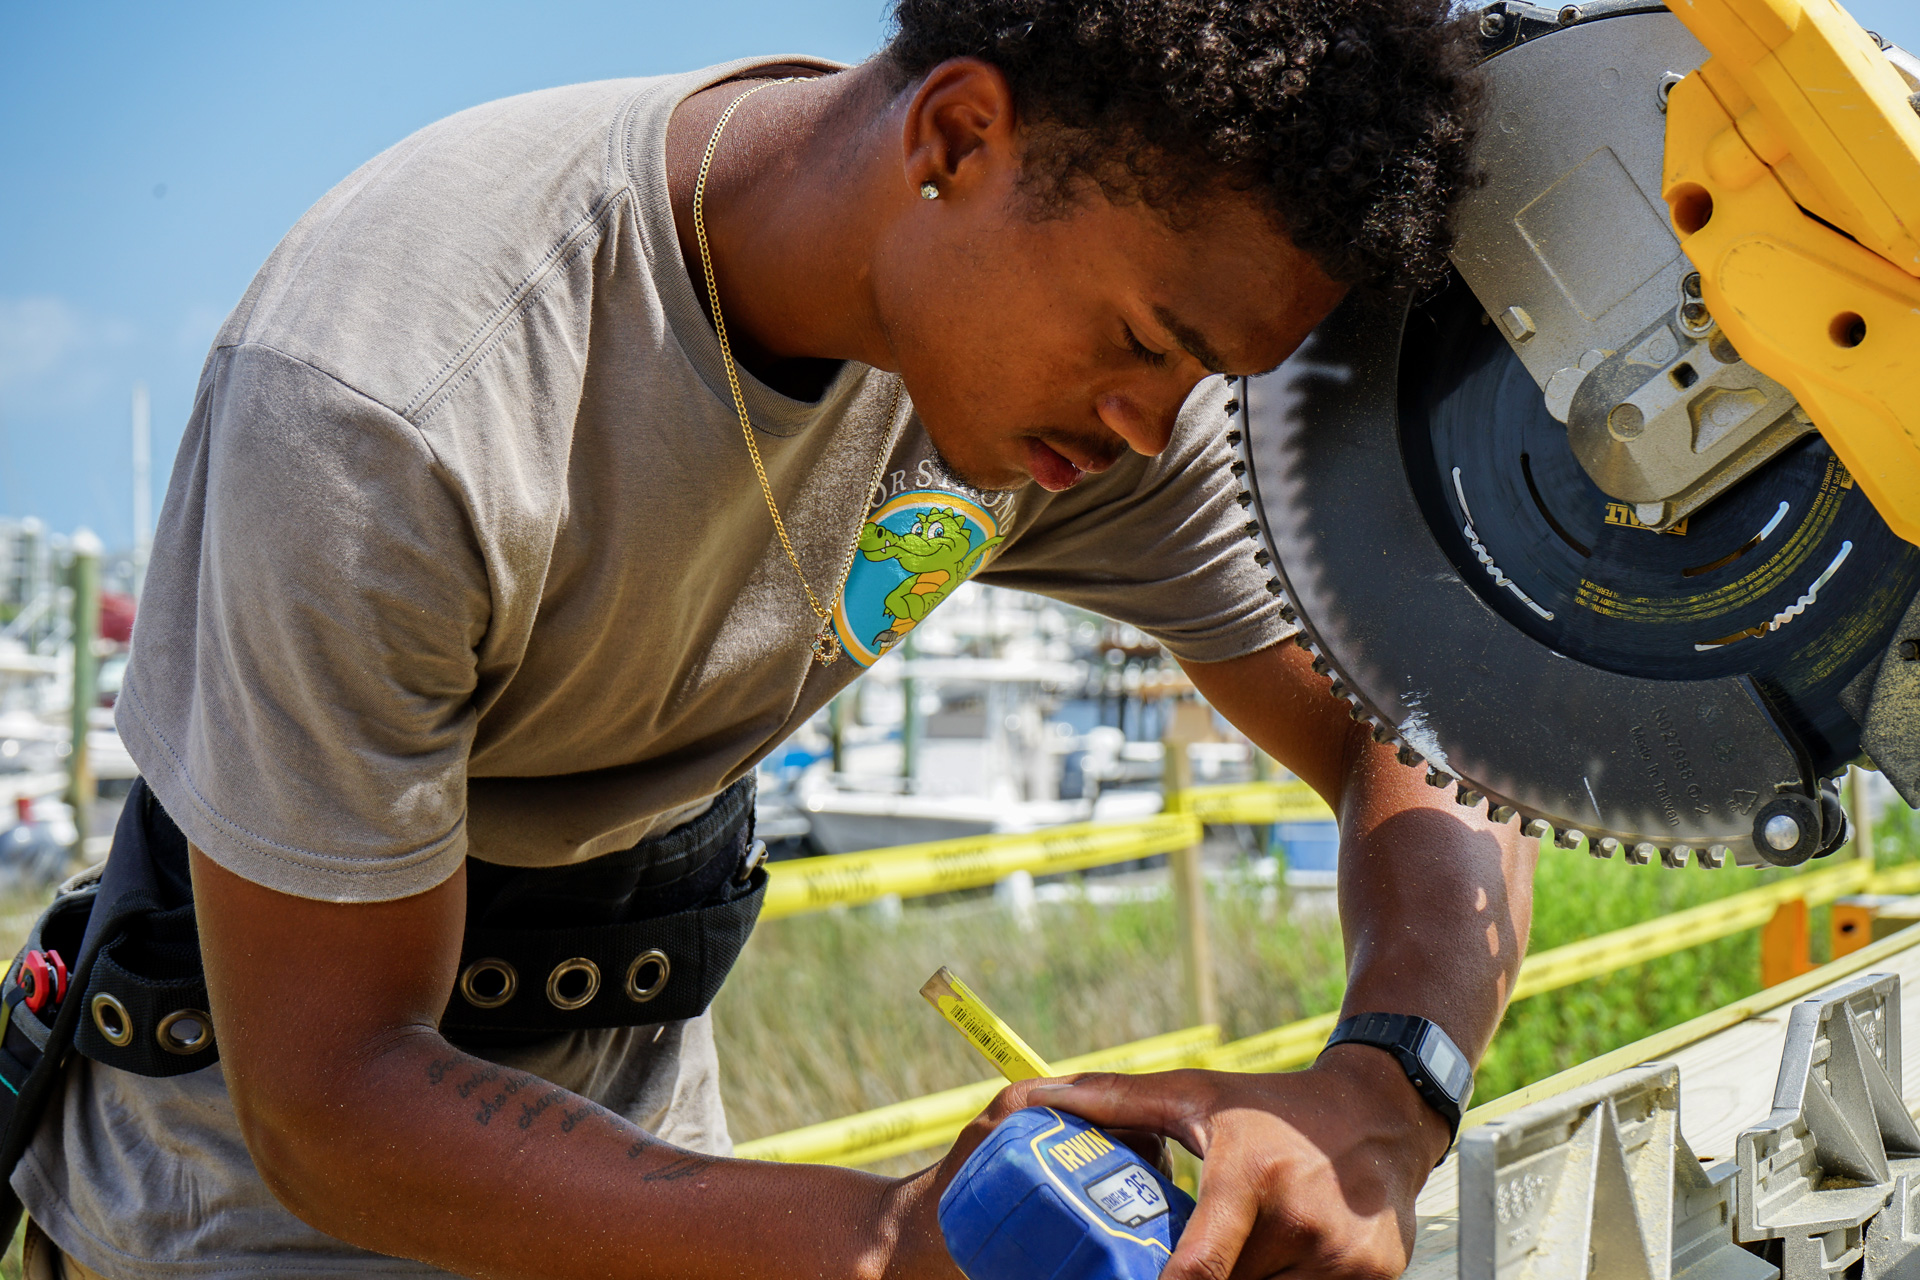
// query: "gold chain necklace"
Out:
[826,644]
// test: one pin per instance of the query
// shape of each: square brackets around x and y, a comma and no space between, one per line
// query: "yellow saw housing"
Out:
[1793,179]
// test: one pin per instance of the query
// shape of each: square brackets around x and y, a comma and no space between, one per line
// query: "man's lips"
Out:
[1055,470]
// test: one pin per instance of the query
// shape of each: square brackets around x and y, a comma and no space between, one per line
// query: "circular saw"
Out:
[1615,532]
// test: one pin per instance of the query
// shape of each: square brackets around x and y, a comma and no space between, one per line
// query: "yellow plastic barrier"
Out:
[933,1121]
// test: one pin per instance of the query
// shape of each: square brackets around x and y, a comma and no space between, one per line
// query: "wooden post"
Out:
[1784,942]
[85,578]
[1189,879]
[1860,812]
[837,731]
[909,720]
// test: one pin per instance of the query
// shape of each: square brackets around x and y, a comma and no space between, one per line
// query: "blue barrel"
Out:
[1050,1197]
[1310,846]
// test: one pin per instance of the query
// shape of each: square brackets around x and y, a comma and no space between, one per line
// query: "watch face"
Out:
[1449,1068]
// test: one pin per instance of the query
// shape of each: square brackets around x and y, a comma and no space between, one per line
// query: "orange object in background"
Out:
[1785,944]
[1869,917]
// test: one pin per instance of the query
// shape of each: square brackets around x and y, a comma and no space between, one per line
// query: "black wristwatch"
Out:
[1432,1061]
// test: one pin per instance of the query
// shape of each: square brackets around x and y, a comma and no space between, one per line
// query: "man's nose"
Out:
[1145,424]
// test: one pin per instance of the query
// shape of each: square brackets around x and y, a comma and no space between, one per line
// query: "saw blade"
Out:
[1460,578]
[1587,694]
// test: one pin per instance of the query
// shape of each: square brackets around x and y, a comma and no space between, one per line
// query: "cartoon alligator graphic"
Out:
[938,555]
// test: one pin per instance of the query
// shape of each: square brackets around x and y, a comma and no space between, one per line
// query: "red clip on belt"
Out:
[44,978]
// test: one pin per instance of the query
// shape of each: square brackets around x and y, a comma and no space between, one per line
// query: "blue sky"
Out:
[152,155]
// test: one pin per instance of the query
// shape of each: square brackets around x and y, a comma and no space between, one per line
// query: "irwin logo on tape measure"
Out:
[1081,1149]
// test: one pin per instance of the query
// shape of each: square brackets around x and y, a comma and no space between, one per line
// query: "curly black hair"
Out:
[1350,120]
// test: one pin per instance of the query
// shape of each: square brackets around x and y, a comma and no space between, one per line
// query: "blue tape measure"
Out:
[1050,1197]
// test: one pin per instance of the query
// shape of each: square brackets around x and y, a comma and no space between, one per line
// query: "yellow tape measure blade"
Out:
[997,1042]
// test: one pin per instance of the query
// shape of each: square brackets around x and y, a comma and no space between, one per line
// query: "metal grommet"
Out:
[185,1031]
[489,983]
[639,994]
[575,995]
[111,1020]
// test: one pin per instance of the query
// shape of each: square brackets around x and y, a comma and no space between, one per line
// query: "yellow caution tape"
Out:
[1252,803]
[921,1123]
[984,1029]
[934,1120]
[813,884]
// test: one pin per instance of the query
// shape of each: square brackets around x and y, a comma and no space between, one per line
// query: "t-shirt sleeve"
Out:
[1159,543]
[301,692]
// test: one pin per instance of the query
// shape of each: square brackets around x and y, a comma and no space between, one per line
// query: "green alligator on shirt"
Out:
[938,555]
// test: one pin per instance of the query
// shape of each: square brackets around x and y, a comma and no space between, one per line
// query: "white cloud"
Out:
[35,333]
[54,356]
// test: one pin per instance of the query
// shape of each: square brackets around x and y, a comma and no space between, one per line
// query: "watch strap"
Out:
[1419,1046]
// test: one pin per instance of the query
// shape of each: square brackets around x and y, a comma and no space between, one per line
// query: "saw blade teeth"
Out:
[1537,828]
[1604,847]
[1287,612]
[1321,666]
[1409,757]
[1438,777]
[1643,853]
[1358,710]
[1262,558]
[1675,858]
[1237,467]
[1714,856]
[1301,641]
[1244,498]
[1275,589]
[1502,813]
[1382,734]
[1466,795]
[1233,439]
[1570,838]
[1251,529]
[1233,407]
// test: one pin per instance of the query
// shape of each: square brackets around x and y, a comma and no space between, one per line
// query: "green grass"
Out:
[823,1017]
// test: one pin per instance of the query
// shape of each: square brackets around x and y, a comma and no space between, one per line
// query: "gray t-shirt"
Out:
[463,554]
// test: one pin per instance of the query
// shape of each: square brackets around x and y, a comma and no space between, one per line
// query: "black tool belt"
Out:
[643,936]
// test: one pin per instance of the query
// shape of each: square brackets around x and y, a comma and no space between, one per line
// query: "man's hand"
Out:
[1310,1172]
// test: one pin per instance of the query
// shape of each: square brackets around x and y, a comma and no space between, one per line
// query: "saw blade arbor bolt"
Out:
[1605,847]
[1492,23]
[1570,15]
[1781,832]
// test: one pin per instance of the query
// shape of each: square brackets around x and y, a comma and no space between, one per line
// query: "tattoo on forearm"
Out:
[495,1088]
[684,1167]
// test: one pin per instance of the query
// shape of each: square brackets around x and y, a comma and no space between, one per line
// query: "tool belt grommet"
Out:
[641,994]
[111,1020]
[184,1031]
[488,983]
[565,1000]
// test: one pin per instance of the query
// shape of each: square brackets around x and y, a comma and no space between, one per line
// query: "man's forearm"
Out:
[427,1152]
[1435,901]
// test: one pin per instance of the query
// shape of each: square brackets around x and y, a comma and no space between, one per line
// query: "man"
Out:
[468,566]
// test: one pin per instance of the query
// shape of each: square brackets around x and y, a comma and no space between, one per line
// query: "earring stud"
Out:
[929,192]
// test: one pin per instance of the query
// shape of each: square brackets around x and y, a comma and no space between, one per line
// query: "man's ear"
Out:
[959,134]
